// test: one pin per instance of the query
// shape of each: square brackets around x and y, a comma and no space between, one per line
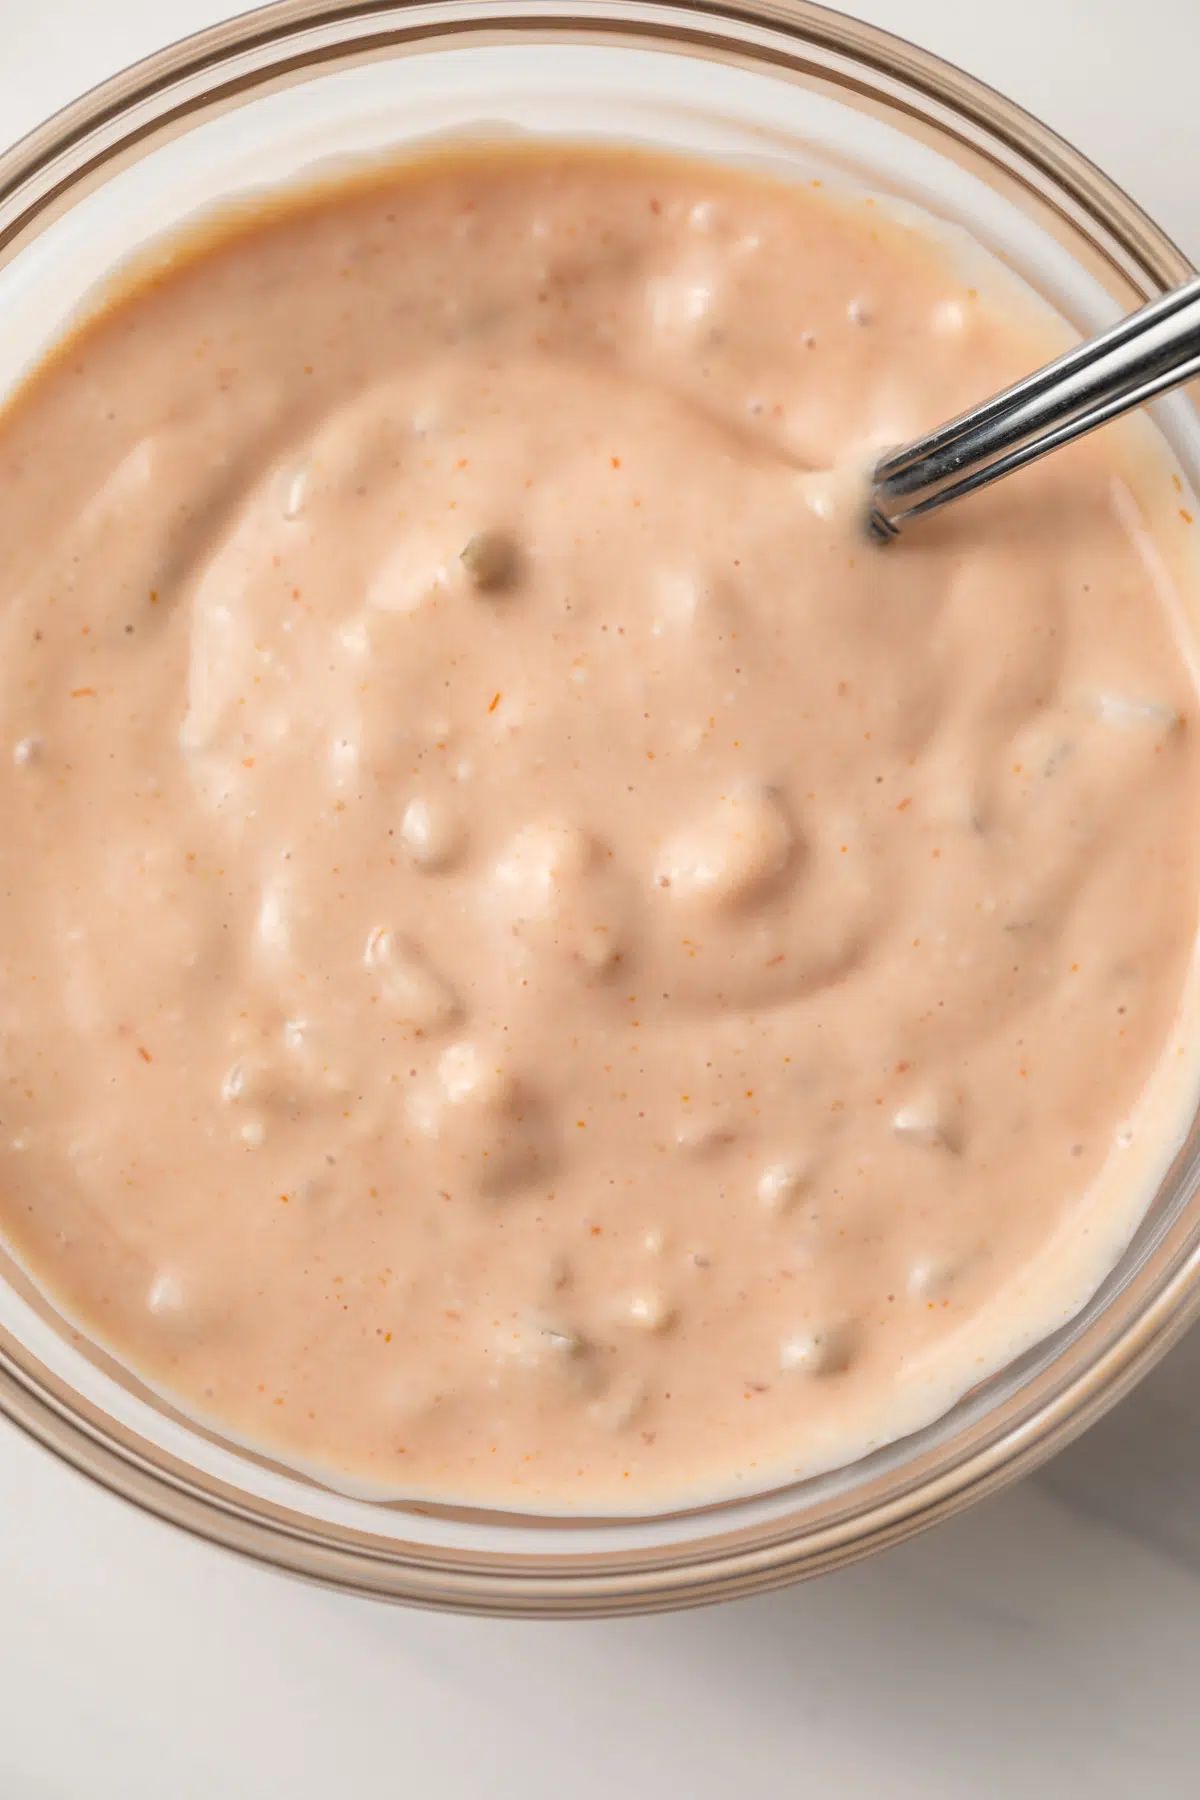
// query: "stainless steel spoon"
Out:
[1146,354]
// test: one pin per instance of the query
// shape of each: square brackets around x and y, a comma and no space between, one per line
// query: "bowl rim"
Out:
[130,112]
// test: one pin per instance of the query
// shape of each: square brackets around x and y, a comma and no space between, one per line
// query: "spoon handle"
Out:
[1142,356]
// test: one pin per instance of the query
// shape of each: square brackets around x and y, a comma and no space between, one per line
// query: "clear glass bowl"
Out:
[255,103]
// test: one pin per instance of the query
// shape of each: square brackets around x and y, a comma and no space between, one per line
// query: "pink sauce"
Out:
[539,968]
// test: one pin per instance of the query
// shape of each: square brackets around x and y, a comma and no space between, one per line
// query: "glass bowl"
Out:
[304,85]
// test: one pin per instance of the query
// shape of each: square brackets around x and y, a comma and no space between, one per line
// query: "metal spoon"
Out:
[1146,354]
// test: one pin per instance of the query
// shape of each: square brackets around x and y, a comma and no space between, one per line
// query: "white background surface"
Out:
[1045,1646]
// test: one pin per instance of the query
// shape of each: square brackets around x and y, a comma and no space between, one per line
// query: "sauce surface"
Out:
[538,968]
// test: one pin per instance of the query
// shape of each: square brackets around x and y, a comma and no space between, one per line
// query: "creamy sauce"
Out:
[539,968]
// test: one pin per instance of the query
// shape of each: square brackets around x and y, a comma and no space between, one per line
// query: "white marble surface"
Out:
[1045,1645]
